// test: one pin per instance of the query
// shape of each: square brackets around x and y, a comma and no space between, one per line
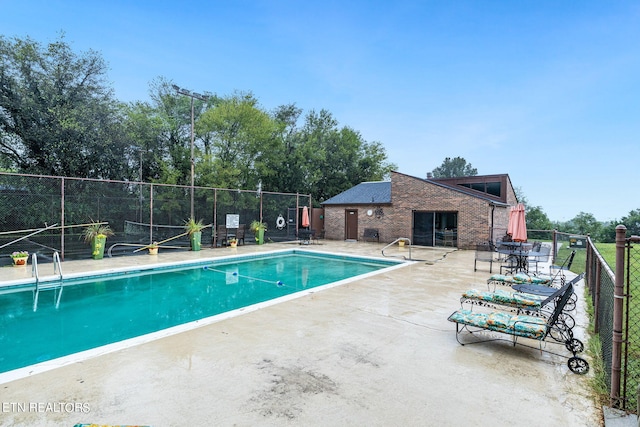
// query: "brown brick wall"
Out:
[410,194]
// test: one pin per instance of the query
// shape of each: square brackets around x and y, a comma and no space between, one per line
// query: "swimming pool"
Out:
[137,305]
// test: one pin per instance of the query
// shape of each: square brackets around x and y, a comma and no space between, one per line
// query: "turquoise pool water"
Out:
[100,310]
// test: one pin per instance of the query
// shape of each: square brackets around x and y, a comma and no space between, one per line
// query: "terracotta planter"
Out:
[20,262]
[153,251]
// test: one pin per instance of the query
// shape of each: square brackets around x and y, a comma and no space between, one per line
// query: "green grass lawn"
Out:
[607,250]
[579,261]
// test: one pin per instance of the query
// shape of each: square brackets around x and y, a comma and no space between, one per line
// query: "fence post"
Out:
[62,218]
[596,300]
[618,306]
[151,213]
[555,246]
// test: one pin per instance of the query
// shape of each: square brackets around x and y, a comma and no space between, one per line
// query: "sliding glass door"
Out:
[435,228]
[423,228]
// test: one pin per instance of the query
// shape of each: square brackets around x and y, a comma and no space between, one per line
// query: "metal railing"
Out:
[57,266]
[39,286]
[400,239]
[34,273]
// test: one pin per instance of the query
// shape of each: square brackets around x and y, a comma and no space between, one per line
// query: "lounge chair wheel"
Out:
[574,345]
[578,365]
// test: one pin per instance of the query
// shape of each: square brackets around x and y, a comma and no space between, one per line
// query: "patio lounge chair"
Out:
[522,302]
[510,280]
[524,326]
[541,289]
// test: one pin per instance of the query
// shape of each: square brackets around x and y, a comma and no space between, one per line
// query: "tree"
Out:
[608,232]
[583,224]
[241,136]
[537,219]
[171,114]
[451,168]
[57,113]
[289,166]
[144,128]
[337,159]
[632,222]
[521,197]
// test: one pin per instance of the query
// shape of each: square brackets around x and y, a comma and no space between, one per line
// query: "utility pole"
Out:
[192,95]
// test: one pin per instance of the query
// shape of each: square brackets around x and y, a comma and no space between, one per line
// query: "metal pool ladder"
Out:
[404,239]
[57,268]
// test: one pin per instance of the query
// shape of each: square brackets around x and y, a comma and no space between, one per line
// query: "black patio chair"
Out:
[221,235]
[240,233]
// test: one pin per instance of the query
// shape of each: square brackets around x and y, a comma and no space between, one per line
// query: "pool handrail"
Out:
[404,239]
[56,262]
[57,266]
[34,268]
[34,272]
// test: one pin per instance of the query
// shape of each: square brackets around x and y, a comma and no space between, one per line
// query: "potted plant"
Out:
[194,229]
[259,228]
[20,258]
[153,248]
[96,234]
[233,242]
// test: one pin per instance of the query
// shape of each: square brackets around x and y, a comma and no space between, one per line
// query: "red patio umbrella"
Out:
[305,217]
[517,223]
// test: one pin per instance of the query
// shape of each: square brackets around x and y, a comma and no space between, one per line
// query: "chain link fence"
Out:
[614,292]
[601,282]
[631,325]
[43,214]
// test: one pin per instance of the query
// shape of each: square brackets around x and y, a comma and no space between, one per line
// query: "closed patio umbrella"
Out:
[517,223]
[305,217]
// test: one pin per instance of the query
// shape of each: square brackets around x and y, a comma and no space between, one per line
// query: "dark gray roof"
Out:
[365,193]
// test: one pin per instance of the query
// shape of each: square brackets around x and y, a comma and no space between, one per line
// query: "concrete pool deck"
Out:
[377,351]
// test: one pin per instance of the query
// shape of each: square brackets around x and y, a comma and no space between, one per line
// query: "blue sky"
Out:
[546,91]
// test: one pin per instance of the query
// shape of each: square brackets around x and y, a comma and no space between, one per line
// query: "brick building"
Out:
[458,212]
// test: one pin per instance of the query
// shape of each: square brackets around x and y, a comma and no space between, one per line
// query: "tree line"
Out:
[59,116]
